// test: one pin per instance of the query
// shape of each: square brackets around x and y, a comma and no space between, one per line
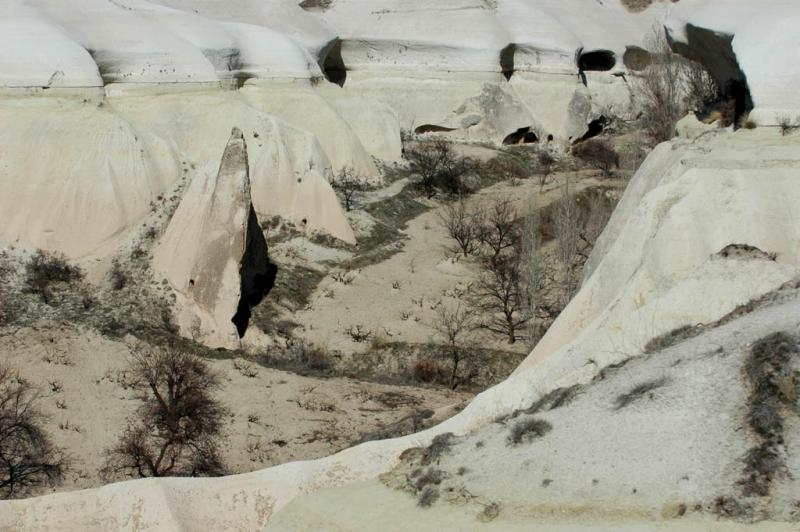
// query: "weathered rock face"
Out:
[214,255]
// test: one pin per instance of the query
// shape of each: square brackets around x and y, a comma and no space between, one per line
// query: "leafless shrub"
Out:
[462,225]
[28,458]
[428,496]
[440,169]
[527,430]
[310,356]
[455,325]
[441,445]
[345,278]
[788,125]
[349,185]
[359,333]
[639,391]
[245,368]
[117,276]
[55,386]
[597,153]
[427,370]
[177,429]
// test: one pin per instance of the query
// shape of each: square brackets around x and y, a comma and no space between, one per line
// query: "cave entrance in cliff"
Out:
[332,63]
[597,61]
[507,60]
[432,128]
[256,274]
[523,135]
[595,128]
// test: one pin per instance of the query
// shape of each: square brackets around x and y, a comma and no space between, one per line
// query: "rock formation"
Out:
[214,255]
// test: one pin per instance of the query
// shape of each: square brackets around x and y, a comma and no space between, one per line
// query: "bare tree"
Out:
[349,185]
[500,295]
[531,268]
[28,457]
[439,167]
[463,225]
[567,233]
[498,232]
[176,430]
[454,325]
[598,153]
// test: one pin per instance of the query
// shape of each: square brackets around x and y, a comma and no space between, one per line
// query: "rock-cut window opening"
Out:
[332,63]
[432,128]
[523,135]
[597,61]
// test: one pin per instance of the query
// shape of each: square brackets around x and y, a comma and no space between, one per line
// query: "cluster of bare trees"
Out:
[175,432]
[439,168]
[522,286]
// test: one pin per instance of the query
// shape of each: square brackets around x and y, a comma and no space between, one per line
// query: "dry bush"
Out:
[639,391]
[359,333]
[28,458]
[672,86]
[427,370]
[439,167]
[348,184]
[45,271]
[463,226]
[177,429]
[527,430]
[597,153]
[787,125]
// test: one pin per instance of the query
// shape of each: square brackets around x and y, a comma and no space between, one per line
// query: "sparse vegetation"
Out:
[439,167]
[598,153]
[177,429]
[527,430]
[45,272]
[788,125]
[640,391]
[349,185]
[28,458]
[774,389]
[441,445]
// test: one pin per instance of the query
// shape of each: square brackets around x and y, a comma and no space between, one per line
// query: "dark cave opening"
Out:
[523,135]
[256,273]
[507,60]
[597,61]
[332,63]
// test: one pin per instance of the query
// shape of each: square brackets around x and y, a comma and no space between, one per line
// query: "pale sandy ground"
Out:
[397,298]
[276,416]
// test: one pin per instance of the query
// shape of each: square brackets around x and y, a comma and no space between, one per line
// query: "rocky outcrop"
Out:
[214,255]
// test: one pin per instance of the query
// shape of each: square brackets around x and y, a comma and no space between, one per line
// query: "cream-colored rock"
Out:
[214,255]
